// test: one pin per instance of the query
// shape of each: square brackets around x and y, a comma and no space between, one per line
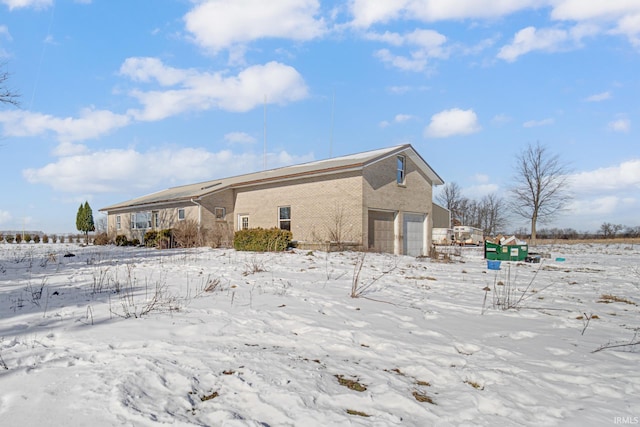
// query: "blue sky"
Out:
[120,99]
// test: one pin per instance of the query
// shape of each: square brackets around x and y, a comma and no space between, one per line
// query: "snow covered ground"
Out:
[211,337]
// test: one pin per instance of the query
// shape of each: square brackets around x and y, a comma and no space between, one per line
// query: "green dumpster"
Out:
[494,251]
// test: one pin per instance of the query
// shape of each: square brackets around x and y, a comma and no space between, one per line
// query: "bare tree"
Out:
[609,231]
[451,198]
[540,189]
[492,217]
[338,227]
[7,96]
[465,212]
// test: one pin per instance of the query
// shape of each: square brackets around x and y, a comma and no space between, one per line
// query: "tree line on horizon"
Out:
[539,193]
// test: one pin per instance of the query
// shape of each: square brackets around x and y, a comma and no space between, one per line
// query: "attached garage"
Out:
[413,230]
[381,231]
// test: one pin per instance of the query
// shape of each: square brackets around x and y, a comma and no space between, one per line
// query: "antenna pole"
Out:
[264,166]
[333,103]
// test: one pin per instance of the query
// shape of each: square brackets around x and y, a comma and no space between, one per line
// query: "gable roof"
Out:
[320,167]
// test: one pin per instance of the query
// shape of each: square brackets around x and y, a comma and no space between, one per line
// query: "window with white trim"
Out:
[118,222]
[284,217]
[243,222]
[181,214]
[141,220]
[219,213]
[401,163]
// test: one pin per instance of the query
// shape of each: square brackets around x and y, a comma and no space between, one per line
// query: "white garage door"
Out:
[413,231]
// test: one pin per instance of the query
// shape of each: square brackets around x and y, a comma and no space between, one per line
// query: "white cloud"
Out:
[367,13]
[437,10]
[196,91]
[538,123]
[594,206]
[401,62]
[280,83]
[400,90]
[423,44]
[531,39]
[586,18]
[146,70]
[481,188]
[580,10]
[112,170]
[430,42]
[623,178]
[476,192]
[501,119]
[620,125]
[480,46]
[602,194]
[630,26]
[221,24]
[4,31]
[5,217]
[399,118]
[69,149]
[394,39]
[599,97]
[19,4]
[452,122]
[90,124]
[623,16]
[239,138]
[481,178]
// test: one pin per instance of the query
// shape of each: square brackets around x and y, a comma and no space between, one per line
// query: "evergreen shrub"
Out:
[262,240]
[121,240]
[157,238]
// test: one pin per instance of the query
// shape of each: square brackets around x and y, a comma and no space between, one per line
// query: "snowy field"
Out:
[209,337]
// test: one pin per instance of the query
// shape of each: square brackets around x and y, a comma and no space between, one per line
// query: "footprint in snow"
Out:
[467,349]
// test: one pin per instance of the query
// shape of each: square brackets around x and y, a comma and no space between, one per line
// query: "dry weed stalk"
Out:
[358,289]
[631,345]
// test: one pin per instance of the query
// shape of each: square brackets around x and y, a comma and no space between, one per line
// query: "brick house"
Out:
[379,200]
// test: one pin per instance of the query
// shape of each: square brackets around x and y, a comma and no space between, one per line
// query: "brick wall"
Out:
[382,192]
[322,208]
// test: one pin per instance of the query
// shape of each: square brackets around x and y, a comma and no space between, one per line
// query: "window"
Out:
[180,214]
[243,222]
[401,170]
[141,220]
[155,219]
[118,222]
[219,213]
[284,217]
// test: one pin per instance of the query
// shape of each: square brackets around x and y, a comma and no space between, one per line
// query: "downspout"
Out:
[199,218]
[199,212]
